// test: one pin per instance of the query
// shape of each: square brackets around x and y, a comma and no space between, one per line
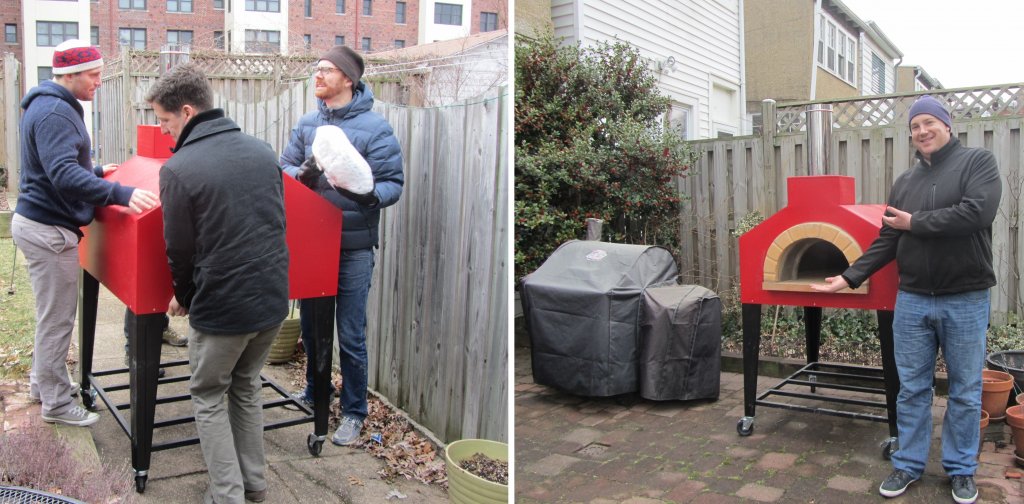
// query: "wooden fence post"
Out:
[768,125]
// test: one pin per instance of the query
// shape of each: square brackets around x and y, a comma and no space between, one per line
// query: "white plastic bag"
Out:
[340,161]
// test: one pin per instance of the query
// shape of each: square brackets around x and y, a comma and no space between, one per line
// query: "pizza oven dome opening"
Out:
[812,260]
[808,253]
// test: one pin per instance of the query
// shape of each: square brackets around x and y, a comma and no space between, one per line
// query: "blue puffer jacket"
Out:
[373,137]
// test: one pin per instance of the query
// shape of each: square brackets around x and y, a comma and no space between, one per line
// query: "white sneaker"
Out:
[76,416]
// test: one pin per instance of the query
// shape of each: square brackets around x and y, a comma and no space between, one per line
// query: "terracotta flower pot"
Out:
[1015,419]
[984,419]
[995,392]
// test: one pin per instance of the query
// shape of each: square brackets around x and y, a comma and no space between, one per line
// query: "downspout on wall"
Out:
[814,50]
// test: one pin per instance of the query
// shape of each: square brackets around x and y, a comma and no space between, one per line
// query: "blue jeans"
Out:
[956,323]
[355,269]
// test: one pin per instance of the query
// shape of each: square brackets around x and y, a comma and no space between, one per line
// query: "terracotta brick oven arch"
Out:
[808,252]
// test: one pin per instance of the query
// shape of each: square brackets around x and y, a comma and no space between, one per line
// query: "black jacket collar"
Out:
[204,116]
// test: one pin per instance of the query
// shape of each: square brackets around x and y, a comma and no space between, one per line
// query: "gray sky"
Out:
[960,43]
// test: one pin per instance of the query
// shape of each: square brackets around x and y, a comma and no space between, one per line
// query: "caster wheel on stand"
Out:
[315,444]
[745,426]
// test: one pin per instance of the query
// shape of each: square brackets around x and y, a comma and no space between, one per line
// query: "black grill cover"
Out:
[582,309]
[680,343]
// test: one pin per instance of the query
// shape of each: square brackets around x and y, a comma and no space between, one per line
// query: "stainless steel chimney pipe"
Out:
[819,138]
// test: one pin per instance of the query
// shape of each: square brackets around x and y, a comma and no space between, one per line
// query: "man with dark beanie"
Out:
[938,228]
[345,102]
[59,189]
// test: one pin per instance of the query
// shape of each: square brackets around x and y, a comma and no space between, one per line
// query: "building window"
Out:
[218,39]
[179,37]
[307,41]
[263,6]
[837,51]
[52,33]
[44,73]
[179,5]
[131,4]
[678,120]
[262,41]
[366,44]
[132,37]
[339,40]
[218,4]
[399,44]
[877,74]
[94,35]
[11,33]
[367,7]
[339,6]
[448,14]
[488,21]
[400,12]
[307,8]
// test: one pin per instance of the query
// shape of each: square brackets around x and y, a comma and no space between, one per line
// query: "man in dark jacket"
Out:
[224,225]
[344,101]
[938,228]
[59,189]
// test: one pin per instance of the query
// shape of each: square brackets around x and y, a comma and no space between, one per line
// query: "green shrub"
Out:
[589,142]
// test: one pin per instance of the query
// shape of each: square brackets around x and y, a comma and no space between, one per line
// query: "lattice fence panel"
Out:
[872,111]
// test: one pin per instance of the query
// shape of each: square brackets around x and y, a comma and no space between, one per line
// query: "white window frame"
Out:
[836,47]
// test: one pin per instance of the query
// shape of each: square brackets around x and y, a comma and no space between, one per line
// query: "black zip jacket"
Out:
[224,226]
[948,248]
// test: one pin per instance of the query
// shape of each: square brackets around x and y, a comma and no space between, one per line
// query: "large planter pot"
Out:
[995,392]
[465,487]
[284,344]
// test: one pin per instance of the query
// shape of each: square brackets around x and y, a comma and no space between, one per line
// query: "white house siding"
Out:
[867,48]
[433,32]
[237,20]
[703,36]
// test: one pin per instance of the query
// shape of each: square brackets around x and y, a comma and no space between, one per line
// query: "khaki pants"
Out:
[226,399]
[52,256]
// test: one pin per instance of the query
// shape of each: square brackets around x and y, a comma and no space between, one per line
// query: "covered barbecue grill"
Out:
[583,308]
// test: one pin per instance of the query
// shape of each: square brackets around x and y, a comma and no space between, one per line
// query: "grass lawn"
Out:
[17,315]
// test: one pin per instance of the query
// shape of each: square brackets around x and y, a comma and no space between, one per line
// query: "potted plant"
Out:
[284,344]
[464,487]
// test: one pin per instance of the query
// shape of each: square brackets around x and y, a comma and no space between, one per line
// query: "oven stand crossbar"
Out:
[829,377]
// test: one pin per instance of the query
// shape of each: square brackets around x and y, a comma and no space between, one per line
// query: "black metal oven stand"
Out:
[818,375]
[144,336]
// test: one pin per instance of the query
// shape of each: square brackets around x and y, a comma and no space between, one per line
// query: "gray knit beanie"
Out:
[347,60]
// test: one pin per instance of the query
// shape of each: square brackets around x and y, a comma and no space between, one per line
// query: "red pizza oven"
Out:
[818,234]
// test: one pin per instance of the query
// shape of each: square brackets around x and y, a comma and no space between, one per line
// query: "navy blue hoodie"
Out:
[58,184]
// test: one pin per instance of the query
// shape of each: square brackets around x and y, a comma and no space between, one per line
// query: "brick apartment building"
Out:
[33,27]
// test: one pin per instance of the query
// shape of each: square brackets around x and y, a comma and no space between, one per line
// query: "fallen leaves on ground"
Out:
[386,435]
[354,481]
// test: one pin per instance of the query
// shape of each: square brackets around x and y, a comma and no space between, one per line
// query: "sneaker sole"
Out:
[335,442]
[965,501]
[175,343]
[83,423]
[894,493]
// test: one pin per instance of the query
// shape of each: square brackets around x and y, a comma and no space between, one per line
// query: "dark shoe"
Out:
[76,416]
[301,398]
[964,491]
[171,337]
[348,431]
[896,483]
[256,495]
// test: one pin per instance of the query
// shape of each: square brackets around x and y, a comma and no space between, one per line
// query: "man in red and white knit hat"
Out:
[58,191]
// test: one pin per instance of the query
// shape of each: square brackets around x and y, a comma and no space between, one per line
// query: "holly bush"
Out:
[590,142]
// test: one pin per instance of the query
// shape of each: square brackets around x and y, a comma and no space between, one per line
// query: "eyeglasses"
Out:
[324,70]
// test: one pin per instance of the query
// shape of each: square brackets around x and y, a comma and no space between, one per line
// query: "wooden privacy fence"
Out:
[10,113]
[438,324]
[870,142]
[437,313]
